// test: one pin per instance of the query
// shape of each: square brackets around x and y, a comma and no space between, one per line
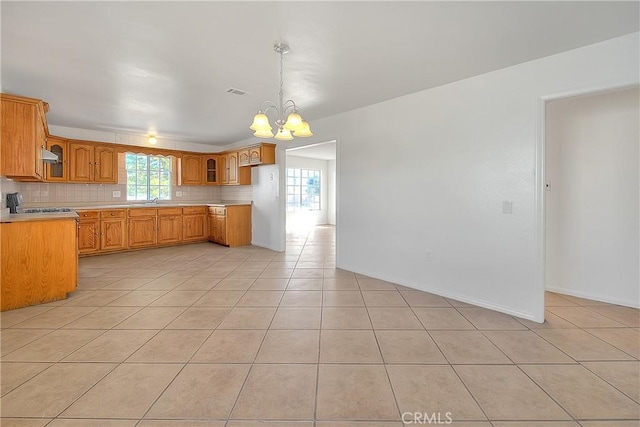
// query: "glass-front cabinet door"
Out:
[211,169]
[58,171]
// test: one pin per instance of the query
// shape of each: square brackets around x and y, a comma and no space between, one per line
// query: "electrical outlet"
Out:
[178,193]
[428,255]
[507,207]
[116,194]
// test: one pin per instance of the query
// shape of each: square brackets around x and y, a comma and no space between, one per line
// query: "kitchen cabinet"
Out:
[113,230]
[194,223]
[24,135]
[210,165]
[263,154]
[105,164]
[232,173]
[232,168]
[142,227]
[58,172]
[230,225]
[102,231]
[89,162]
[191,169]
[169,225]
[88,231]
[35,270]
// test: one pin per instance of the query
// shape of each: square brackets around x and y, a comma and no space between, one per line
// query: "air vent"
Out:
[235,91]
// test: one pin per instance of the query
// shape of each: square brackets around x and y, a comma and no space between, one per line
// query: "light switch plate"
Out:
[178,193]
[507,207]
[116,194]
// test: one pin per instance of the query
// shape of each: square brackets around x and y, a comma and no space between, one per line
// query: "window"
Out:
[148,177]
[303,189]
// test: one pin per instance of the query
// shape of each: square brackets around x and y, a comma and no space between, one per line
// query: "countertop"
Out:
[49,216]
[158,205]
[56,216]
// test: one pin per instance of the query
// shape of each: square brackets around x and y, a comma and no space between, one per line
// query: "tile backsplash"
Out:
[47,194]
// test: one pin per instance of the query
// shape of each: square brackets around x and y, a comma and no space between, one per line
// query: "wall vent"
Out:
[235,91]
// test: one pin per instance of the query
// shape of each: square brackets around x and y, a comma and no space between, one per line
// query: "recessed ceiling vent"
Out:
[235,91]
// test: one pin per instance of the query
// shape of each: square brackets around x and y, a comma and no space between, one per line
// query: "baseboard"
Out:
[266,246]
[448,294]
[601,298]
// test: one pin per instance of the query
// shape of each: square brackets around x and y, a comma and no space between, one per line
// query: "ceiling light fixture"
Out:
[152,140]
[294,125]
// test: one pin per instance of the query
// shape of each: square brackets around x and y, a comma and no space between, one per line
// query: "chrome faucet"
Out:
[152,201]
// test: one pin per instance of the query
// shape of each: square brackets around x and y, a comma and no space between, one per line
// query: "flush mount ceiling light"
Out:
[293,125]
[152,140]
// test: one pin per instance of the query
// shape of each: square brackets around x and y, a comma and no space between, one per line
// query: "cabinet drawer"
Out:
[113,213]
[88,214]
[169,211]
[194,210]
[142,212]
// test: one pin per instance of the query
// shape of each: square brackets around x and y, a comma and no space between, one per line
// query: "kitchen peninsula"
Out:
[39,258]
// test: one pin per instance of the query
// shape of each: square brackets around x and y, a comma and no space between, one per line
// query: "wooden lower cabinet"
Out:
[169,226]
[231,225]
[39,262]
[111,230]
[194,224]
[142,231]
[89,232]
[218,231]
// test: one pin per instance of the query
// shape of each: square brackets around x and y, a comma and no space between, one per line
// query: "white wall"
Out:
[266,214]
[593,217]
[331,192]
[320,216]
[420,203]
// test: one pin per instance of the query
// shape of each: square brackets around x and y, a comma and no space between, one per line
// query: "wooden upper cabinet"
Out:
[243,158]
[263,154]
[24,134]
[105,164]
[232,167]
[210,164]
[191,169]
[89,162]
[223,172]
[58,171]
[81,165]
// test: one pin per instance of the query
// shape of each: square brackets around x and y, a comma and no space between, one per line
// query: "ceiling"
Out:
[164,67]
[322,151]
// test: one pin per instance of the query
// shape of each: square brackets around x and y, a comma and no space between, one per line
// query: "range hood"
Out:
[49,157]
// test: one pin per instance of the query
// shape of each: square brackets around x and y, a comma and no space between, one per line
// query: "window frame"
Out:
[149,171]
[301,187]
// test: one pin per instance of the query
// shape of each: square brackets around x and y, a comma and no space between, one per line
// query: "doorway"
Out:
[310,187]
[592,196]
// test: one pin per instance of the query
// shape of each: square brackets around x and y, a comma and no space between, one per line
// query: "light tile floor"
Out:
[203,335]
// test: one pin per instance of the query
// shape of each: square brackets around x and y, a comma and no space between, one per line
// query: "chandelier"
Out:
[294,125]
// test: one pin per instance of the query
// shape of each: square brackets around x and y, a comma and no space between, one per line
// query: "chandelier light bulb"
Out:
[304,131]
[260,122]
[294,121]
[263,133]
[284,135]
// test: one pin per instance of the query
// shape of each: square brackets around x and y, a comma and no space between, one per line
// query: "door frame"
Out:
[540,183]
